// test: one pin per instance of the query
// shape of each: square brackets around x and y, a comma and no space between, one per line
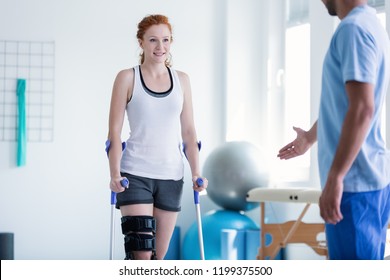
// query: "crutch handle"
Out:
[125,184]
[199,182]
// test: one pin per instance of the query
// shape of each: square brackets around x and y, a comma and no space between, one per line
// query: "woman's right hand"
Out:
[115,184]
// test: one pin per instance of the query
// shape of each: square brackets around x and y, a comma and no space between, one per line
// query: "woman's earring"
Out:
[168,61]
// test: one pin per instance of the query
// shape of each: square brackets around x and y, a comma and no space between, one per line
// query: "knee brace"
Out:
[135,229]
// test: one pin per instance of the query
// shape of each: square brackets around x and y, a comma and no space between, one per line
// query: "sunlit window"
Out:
[297,96]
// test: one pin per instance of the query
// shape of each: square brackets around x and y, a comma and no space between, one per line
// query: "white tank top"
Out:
[153,148]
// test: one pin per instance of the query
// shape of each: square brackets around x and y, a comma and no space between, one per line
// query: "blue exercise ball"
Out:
[213,222]
[233,169]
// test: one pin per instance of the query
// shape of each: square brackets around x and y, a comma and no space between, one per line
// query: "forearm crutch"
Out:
[199,182]
[125,184]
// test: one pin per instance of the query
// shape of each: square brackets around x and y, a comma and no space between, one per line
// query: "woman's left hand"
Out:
[196,186]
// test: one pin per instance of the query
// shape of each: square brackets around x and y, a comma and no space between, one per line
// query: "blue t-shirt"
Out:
[358,51]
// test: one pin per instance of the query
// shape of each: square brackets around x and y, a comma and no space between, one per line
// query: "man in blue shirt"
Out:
[353,162]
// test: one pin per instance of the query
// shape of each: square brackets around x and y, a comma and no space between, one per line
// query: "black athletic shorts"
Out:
[163,194]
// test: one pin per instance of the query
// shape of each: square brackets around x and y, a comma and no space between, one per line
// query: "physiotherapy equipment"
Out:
[232,169]
[199,182]
[292,231]
[125,184]
[22,134]
[213,222]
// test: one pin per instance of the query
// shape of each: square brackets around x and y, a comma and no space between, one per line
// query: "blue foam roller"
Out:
[232,244]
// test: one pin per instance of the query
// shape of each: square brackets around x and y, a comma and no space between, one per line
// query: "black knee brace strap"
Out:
[134,228]
[139,242]
[138,224]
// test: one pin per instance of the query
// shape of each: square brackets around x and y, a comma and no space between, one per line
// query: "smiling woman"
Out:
[157,100]
[157,27]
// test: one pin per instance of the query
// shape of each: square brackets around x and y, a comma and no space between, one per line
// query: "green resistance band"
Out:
[21,133]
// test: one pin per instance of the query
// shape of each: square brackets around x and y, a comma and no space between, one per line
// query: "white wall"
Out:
[58,204]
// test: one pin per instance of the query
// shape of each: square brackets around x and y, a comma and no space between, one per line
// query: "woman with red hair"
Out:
[158,103]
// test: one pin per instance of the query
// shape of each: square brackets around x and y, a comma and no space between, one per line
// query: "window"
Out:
[297,94]
[297,87]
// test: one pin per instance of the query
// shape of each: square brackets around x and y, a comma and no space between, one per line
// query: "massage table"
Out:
[294,231]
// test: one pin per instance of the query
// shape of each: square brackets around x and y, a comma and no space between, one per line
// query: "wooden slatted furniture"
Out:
[294,231]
